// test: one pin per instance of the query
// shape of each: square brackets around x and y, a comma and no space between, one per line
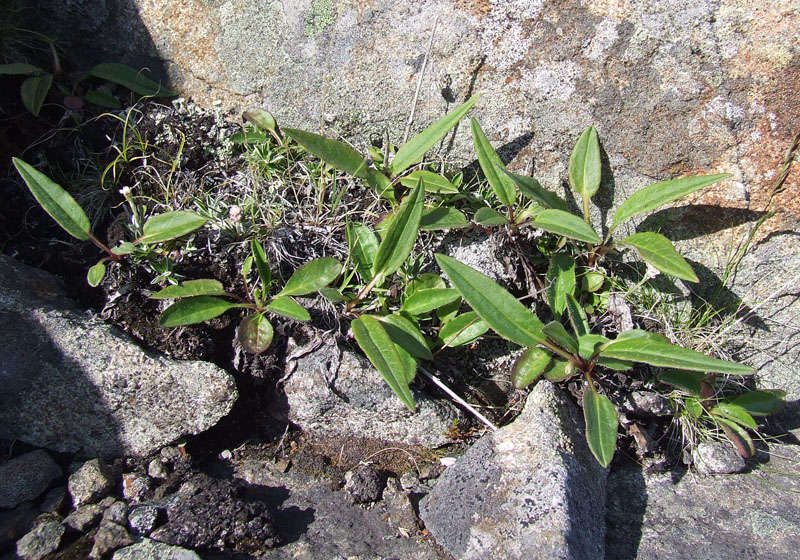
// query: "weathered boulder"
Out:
[26,477]
[71,383]
[530,490]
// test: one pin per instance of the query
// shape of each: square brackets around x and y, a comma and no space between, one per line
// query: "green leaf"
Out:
[56,201]
[558,370]
[490,162]
[577,316]
[124,248]
[556,332]
[249,137]
[424,281]
[442,217]
[658,194]
[589,344]
[381,184]
[447,312]
[287,307]
[761,401]
[533,190]
[20,69]
[613,363]
[657,250]
[560,281]
[659,353]
[498,308]
[33,92]
[131,79]
[423,301]
[386,356]
[363,246]
[529,366]
[406,335]
[96,274]
[412,151]
[191,288]
[336,153]
[255,333]
[247,266]
[261,118]
[486,216]
[434,183]
[462,329]
[400,236]
[171,225]
[601,426]
[592,281]
[734,413]
[102,99]
[332,294]
[194,310]
[566,224]
[584,164]
[312,276]
[687,380]
[262,264]
[738,436]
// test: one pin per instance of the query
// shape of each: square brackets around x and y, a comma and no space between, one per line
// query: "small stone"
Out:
[282,465]
[646,403]
[401,512]
[142,519]
[226,455]
[109,537]
[135,486]
[149,549]
[54,500]
[84,518]
[409,480]
[717,457]
[41,541]
[89,483]
[116,513]
[364,484]
[157,469]
[26,477]
[172,455]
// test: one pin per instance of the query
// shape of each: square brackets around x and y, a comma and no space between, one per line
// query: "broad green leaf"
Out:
[486,216]
[734,413]
[381,184]
[556,332]
[171,225]
[529,366]
[442,217]
[659,353]
[332,294]
[448,311]
[124,248]
[363,246]
[96,274]
[336,153]
[462,329]
[498,308]
[694,407]
[761,401]
[589,344]
[56,201]
[33,92]
[560,281]
[312,276]
[657,250]
[601,426]
[255,333]
[613,363]
[558,370]
[102,99]
[566,224]
[738,436]
[190,288]
[412,151]
[635,333]
[194,310]
[247,266]
[400,235]
[687,380]
[386,356]
[287,307]
[423,301]
[426,281]
[584,164]
[533,190]
[434,183]
[131,79]
[249,137]
[261,118]
[490,162]
[658,194]
[406,335]
[577,316]
[262,264]
[20,69]
[592,281]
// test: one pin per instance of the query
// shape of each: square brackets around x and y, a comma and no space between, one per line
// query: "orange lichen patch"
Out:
[478,8]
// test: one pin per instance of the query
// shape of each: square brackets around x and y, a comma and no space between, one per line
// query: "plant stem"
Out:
[363,293]
[419,81]
[458,399]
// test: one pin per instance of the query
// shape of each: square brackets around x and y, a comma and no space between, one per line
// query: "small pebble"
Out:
[157,469]
[142,519]
[41,541]
[135,486]
[116,513]
[717,457]
[89,483]
[282,465]
[84,518]
[108,538]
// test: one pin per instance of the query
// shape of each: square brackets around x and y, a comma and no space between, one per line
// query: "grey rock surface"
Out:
[26,477]
[399,507]
[364,484]
[678,515]
[54,500]
[148,549]
[15,523]
[91,482]
[335,392]
[84,518]
[41,541]
[142,519]
[71,383]
[109,537]
[530,490]
[717,457]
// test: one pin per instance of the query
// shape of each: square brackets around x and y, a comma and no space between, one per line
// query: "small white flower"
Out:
[125,191]
[235,213]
